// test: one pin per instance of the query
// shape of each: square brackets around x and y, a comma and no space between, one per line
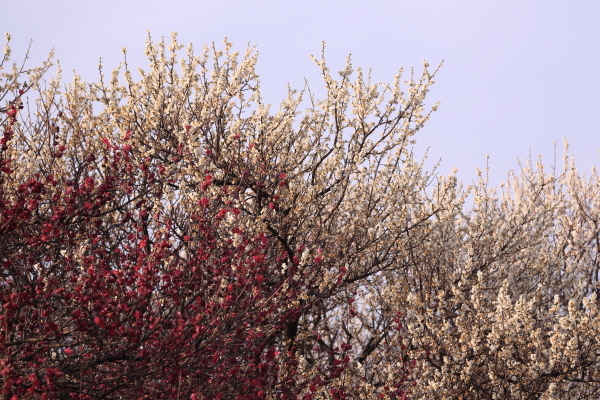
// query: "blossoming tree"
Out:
[171,237]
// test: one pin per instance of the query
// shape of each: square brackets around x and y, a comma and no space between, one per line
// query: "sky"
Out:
[518,75]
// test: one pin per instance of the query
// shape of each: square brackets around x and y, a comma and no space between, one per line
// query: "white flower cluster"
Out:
[495,300]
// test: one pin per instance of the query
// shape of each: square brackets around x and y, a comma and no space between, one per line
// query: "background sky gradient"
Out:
[518,74]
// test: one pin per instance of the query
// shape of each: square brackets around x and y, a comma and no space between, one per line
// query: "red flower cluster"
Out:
[103,297]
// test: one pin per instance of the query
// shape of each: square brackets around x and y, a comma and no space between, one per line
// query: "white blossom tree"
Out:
[394,286]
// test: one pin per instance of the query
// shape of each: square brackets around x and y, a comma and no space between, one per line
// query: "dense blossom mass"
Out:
[172,237]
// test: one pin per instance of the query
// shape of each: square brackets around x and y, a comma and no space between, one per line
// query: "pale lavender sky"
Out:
[518,74]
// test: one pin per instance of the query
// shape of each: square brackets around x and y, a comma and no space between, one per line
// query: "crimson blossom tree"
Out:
[94,309]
